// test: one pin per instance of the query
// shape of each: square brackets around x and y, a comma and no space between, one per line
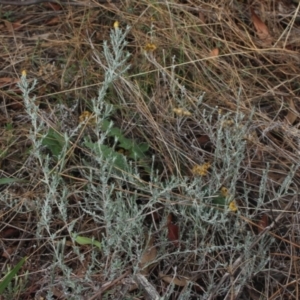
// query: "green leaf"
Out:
[144,147]
[115,132]
[8,180]
[120,161]
[138,150]
[219,200]
[125,143]
[8,277]
[112,131]
[9,126]
[54,142]
[216,199]
[82,240]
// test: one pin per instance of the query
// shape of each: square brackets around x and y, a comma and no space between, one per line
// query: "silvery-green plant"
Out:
[215,238]
[108,208]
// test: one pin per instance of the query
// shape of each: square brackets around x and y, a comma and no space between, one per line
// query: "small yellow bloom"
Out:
[116,25]
[224,192]
[87,116]
[186,113]
[201,170]
[233,206]
[24,73]
[227,123]
[181,112]
[177,111]
[150,47]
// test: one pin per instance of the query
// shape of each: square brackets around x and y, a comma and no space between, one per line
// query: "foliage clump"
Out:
[179,172]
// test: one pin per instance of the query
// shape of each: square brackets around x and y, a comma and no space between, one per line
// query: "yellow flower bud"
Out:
[116,25]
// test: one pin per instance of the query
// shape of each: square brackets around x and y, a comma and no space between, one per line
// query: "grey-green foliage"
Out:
[108,209]
[110,198]
[220,234]
[220,231]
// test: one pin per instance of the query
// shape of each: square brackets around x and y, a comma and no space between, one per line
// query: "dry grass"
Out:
[246,74]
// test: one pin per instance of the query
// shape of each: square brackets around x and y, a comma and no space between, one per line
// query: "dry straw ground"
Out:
[237,57]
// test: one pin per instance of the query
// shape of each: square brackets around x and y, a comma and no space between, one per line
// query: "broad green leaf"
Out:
[126,144]
[219,200]
[54,142]
[120,161]
[82,240]
[216,199]
[143,147]
[113,131]
[138,150]
[8,277]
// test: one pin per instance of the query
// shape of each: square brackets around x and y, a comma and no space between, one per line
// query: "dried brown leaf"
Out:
[176,280]
[8,252]
[54,6]
[5,81]
[148,256]
[261,29]
[53,21]
[202,17]
[173,231]
[9,233]
[214,52]
[173,234]
[263,223]
[9,26]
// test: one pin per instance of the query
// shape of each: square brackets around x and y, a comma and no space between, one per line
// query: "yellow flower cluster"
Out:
[181,112]
[87,116]
[150,47]
[201,170]
[116,25]
[227,123]
[224,191]
[232,205]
